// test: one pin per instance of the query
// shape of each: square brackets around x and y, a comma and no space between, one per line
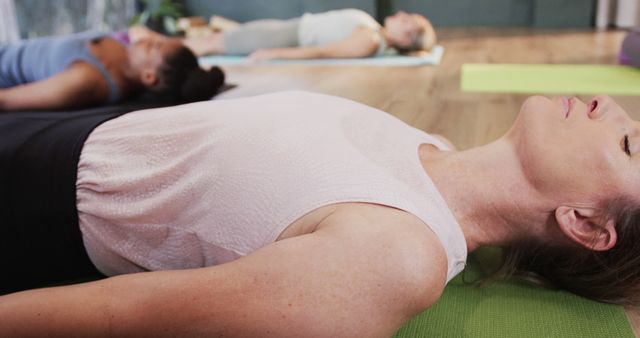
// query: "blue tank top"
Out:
[37,59]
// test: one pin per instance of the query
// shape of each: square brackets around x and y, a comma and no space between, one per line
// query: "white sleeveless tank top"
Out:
[206,183]
[317,29]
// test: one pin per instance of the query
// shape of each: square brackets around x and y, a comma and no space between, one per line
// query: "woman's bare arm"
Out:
[79,85]
[350,278]
[3,94]
[362,43]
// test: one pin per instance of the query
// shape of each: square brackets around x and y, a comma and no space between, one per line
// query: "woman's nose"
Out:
[604,107]
[599,106]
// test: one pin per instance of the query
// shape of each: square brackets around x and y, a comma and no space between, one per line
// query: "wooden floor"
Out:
[429,97]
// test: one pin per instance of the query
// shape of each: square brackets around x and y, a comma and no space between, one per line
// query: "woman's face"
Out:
[150,52]
[578,153]
[402,27]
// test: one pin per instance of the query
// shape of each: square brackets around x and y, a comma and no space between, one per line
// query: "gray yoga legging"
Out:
[254,35]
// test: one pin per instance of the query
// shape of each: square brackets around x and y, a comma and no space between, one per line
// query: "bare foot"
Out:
[220,24]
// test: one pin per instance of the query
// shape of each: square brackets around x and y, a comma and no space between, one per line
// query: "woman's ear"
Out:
[148,78]
[584,226]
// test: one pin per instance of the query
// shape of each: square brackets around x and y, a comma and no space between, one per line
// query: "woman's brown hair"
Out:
[611,276]
[183,80]
[422,40]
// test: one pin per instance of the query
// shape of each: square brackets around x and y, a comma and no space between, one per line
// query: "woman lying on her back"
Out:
[305,215]
[345,33]
[90,68]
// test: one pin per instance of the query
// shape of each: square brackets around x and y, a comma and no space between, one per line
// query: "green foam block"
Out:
[551,79]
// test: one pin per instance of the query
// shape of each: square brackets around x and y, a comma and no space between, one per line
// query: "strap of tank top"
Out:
[87,56]
[382,48]
[114,92]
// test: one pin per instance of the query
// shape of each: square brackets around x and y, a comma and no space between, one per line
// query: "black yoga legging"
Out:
[40,240]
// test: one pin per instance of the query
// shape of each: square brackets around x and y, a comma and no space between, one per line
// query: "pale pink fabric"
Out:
[205,183]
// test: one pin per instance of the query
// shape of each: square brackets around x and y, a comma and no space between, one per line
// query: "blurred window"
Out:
[58,17]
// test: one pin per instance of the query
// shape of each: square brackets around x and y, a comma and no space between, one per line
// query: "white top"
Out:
[317,29]
[205,183]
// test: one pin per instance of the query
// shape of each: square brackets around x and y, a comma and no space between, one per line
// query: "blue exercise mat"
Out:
[432,58]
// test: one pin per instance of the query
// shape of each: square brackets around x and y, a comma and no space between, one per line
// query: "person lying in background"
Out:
[90,68]
[345,33]
[303,215]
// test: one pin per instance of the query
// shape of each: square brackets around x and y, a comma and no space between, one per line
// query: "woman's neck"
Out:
[386,37]
[487,193]
[114,56]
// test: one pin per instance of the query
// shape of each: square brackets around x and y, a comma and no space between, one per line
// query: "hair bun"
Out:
[217,74]
[201,84]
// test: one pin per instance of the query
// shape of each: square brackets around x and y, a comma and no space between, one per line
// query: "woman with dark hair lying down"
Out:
[89,69]
[299,214]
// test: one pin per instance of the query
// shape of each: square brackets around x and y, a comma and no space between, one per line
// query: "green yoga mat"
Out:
[551,79]
[514,309]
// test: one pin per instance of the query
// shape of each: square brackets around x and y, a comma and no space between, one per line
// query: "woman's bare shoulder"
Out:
[401,240]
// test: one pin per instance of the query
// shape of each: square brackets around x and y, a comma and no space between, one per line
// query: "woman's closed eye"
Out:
[627,147]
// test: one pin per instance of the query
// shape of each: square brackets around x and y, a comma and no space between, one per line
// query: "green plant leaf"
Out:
[135,20]
[159,10]
[170,25]
[144,17]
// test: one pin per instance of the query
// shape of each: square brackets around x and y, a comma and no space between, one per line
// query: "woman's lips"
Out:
[567,103]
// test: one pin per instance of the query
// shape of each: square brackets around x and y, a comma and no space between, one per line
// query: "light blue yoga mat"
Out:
[432,58]
[550,79]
